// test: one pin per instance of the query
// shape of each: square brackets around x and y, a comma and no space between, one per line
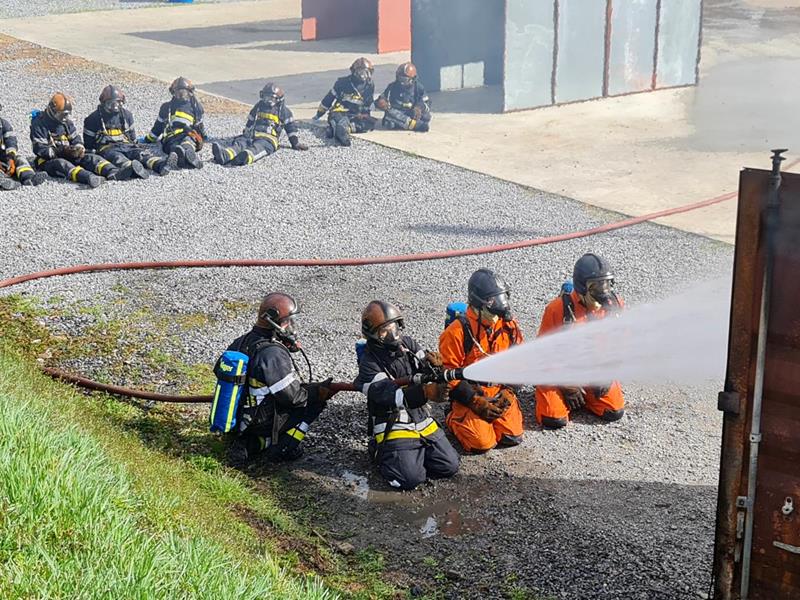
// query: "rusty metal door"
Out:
[774,556]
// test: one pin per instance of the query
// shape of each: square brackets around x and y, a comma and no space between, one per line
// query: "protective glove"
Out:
[418,112]
[434,359]
[319,392]
[600,391]
[573,397]
[75,152]
[504,399]
[435,392]
[486,408]
[299,146]
[381,103]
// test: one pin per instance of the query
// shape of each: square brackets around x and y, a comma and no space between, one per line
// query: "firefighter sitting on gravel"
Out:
[406,443]
[593,297]
[59,151]
[278,408]
[109,131]
[405,102]
[179,125]
[348,103]
[262,131]
[482,416]
[14,169]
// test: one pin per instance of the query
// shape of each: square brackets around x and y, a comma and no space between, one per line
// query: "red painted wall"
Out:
[394,25]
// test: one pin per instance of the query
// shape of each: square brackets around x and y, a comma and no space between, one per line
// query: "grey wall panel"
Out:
[454,33]
[530,32]
[678,42]
[633,46]
[581,49]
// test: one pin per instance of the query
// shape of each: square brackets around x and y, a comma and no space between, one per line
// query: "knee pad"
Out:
[612,415]
[554,423]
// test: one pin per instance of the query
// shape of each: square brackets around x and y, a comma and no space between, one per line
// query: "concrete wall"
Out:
[530,36]
[580,44]
[458,43]
[324,19]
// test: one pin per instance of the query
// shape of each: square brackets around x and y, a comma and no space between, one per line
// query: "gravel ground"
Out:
[620,510]
[12,9]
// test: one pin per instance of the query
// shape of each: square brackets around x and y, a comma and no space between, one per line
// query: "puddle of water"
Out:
[430,528]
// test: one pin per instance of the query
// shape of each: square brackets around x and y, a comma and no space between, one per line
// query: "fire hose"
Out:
[321,262]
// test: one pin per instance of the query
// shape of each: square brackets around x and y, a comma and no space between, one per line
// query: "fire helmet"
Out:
[181,88]
[276,313]
[406,74]
[59,107]
[272,95]
[362,69]
[381,324]
[592,274]
[491,292]
[111,99]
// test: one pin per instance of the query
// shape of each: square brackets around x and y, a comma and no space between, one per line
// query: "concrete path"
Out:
[634,154]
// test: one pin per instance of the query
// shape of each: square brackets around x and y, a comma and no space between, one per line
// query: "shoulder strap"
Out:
[468,336]
[569,308]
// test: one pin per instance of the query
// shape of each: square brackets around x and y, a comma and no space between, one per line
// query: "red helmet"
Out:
[112,98]
[406,73]
[181,88]
[381,324]
[362,69]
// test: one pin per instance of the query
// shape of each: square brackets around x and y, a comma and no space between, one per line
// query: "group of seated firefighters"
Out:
[406,443]
[111,150]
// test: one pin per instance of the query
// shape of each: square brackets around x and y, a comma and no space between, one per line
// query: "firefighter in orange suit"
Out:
[482,416]
[593,297]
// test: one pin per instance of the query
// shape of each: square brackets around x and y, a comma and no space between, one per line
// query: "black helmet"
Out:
[111,99]
[381,324]
[272,95]
[181,88]
[362,69]
[276,313]
[490,291]
[592,274]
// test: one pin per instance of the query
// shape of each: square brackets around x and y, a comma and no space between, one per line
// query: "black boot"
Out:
[191,159]
[33,178]
[139,170]
[123,174]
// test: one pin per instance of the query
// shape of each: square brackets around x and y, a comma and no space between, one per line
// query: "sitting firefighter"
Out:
[179,125]
[14,169]
[405,102]
[405,441]
[278,408]
[262,131]
[109,132]
[482,416]
[348,103]
[59,151]
[593,297]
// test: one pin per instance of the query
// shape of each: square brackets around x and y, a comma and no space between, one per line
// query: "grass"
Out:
[102,498]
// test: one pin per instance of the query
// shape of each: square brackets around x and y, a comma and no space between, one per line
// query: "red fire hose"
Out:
[329,262]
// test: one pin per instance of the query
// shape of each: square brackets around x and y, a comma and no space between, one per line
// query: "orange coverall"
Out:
[473,432]
[549,400]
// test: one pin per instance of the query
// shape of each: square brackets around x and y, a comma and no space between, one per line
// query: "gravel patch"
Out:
[623,510]
[12,9]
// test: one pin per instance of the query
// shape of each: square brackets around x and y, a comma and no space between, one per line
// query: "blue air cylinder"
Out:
[454,310]
[231,373]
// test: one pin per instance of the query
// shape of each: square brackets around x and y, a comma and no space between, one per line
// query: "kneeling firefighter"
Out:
[592,298]
[278,407]
[405,102]
[348,103]
[180,126]
[262,131]
[110,132]
[482,416]
[14,169]
[406,443]
[60,152]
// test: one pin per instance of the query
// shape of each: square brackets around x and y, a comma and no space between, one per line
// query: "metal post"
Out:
[770,227]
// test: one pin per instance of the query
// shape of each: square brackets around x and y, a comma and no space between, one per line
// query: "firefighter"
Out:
[14,169]
[482,416]
[406,443]
[180,126]
[109,132]
[593,297]
[278,408]
[262,131]
[59,151]
[405,102]
[348,103]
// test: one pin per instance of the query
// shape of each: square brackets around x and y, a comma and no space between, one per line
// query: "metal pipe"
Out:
[770,227]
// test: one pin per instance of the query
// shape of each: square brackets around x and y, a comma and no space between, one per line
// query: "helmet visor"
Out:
[271,101]
[182,94]
[363,74]
[499,305]
[388,334]
[405,81]
[601,290]
[112,106]
[61,115]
